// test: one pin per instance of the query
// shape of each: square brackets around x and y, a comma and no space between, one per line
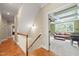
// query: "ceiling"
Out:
[10,10]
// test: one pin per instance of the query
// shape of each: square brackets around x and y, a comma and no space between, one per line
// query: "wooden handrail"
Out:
[22,34]
[35,41]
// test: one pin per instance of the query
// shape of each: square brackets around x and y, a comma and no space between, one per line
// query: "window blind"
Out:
[69,14]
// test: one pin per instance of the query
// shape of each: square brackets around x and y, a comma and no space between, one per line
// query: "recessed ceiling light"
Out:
[8,13]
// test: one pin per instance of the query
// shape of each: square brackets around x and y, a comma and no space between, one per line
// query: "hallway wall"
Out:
[25,19]
[21,40]
[5,29]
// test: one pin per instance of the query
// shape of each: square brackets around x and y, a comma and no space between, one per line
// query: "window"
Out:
[64,20]
[69,14]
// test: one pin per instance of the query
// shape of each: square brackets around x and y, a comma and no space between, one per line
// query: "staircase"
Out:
[36,52]
[10,48]
[41,52]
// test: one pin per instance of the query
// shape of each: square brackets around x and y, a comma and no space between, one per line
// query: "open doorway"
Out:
[63,30]
[6,22]
[8,17]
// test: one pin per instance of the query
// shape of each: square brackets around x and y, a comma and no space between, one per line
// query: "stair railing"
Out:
[26,35]
[35,41]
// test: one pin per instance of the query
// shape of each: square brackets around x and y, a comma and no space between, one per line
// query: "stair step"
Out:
[41,52]
[10,48]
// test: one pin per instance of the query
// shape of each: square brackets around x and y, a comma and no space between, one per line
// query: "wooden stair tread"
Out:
[10,48]
[41,52]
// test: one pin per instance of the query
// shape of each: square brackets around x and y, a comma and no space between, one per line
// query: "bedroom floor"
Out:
[64,48]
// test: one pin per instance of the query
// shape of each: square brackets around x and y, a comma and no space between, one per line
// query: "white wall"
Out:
[5,29]
[25,18]
[21,40]
[42,21]
[27,15]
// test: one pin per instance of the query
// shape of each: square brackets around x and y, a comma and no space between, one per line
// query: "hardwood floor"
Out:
[10,48]
[41,52]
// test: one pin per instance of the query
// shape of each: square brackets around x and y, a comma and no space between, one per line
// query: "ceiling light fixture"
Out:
[8,13]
